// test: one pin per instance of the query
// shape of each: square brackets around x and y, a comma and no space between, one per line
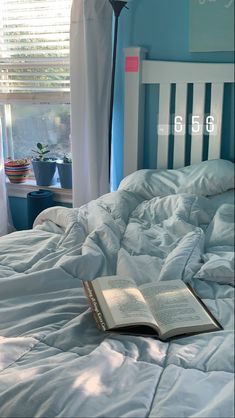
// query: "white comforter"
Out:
[53,360]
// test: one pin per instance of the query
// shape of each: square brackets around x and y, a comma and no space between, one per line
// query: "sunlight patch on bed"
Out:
[91,383]
[155,351]
[26,374]
[114,358]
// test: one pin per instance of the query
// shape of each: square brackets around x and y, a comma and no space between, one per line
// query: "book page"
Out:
[174,306]
[122,303]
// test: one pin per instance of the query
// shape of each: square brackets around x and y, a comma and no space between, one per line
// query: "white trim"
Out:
[22,189]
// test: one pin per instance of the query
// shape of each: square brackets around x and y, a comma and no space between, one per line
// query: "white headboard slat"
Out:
[180,125]
[217,95]
[163,125]
[199,95]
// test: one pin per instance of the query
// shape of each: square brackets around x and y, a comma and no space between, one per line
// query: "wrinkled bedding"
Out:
[159,225]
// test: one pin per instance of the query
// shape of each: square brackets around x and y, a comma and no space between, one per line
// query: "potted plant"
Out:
[17,170]
[65,171]
[43,167]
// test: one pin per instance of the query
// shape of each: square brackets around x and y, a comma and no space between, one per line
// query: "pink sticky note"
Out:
[132,65]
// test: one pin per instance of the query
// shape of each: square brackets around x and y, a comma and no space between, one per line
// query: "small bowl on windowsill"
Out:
[17,170]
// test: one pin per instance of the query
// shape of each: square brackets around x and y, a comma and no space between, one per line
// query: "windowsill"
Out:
[22,189]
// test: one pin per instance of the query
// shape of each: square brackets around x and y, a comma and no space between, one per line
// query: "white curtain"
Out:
[90,71]
[5,225]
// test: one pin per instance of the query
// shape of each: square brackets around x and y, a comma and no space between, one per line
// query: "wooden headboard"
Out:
[180,78]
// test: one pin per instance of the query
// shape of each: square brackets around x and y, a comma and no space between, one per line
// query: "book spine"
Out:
[95,306]
[204,306]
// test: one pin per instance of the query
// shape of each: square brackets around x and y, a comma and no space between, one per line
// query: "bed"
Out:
[161,224]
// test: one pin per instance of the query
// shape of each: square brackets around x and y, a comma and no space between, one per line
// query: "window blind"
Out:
[34,49]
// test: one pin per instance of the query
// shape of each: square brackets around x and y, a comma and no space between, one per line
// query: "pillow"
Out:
[218,268]
[148,183]
[208,178]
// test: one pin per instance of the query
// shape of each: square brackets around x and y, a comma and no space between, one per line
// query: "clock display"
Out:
[196,125]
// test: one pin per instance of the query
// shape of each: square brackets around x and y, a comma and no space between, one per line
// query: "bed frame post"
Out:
[133,110]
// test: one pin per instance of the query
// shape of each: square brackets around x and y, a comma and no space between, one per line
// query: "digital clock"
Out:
[196,124]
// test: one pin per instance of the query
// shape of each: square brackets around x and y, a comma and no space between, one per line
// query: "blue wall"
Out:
[161,26]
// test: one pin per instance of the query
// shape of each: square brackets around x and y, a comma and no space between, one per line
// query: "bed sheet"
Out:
[54,361]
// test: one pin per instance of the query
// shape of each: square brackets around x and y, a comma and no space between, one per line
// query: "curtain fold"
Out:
[90,73]
[5,221]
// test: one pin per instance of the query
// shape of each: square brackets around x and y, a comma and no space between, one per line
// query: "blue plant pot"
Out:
[44,172]
[65,174]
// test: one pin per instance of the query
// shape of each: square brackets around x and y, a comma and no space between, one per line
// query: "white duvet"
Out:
[159,225]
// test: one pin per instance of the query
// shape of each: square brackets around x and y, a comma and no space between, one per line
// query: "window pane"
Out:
[34,46]
[49,124]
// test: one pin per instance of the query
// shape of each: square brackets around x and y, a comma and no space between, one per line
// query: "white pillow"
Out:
[218,268]
[204,179]
[150,183]
[208,178]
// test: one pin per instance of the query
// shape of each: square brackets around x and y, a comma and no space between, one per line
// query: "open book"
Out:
[165,309]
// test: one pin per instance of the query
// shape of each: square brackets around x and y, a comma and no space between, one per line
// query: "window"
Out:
[34,75]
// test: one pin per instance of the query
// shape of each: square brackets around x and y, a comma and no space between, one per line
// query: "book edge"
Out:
[95,306]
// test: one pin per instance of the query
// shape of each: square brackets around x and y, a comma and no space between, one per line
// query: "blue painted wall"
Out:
[161,26]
